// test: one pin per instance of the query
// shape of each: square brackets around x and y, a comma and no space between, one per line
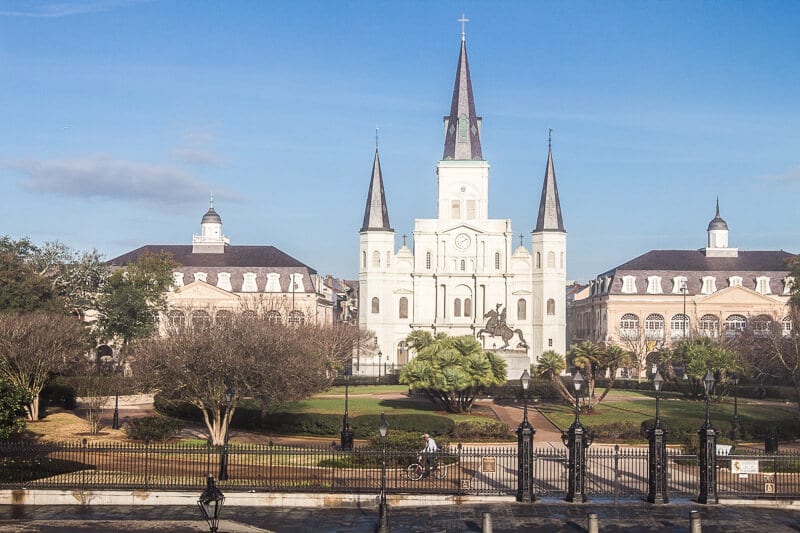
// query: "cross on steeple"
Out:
[404,239]
[549,138]
[463,20]
[520,239]
[376,138]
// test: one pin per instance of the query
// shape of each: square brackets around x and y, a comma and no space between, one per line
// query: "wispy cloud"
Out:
[102,176]
[196,148]
[66,8]
[791,176]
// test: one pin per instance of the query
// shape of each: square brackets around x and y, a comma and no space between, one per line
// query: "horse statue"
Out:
[496,327]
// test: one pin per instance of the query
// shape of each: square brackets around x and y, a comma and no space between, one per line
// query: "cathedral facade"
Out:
[464,275]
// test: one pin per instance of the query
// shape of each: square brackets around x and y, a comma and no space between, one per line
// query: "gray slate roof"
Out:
[234,256]
[549,218]
[376,212]
[463,104]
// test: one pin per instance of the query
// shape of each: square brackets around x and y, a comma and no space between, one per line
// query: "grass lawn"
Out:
[365,389]
[672,410]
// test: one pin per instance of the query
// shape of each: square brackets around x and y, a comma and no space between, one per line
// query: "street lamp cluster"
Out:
[525,433]
[577,439]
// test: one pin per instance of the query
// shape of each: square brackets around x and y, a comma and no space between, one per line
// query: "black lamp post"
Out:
[115,421]
[684,290]
[223,463]
[383,519]
[657,457]
[708,449]
[735,381]
[347,433]
[525,433]
[576,439]
[210,504]
[380,354]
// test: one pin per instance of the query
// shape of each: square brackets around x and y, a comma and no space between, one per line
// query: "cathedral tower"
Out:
[549,247]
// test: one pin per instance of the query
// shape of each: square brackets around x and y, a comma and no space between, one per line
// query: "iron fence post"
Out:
[458,470]
[147,464]
[657,464]
[615,487]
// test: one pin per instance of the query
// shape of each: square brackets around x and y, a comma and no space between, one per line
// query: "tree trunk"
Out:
[32,408]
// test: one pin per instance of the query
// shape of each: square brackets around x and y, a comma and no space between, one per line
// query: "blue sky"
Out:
[118,118]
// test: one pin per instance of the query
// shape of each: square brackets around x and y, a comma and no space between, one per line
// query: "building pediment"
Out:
[403,291]
[461,226]
[521,292]
[737,295]
[201,290]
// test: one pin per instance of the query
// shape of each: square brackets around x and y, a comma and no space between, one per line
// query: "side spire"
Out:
[462,139]
[549,218]
[376,214]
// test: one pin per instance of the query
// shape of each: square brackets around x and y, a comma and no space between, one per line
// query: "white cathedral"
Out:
[464,275]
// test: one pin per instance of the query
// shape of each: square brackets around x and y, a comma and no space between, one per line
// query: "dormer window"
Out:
[224,281]
[709,285]
[249,282]
[201,276]
[762,285]
[654,285]
[273,282]
[788,285]
[679,283]
[297,283]
[628,285]
[735,281]
[177,279]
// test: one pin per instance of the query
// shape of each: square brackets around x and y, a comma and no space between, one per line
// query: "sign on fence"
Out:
[488,464]
[744,467]
[724,449]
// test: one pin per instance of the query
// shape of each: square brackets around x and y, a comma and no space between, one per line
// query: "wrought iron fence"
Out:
[612,471]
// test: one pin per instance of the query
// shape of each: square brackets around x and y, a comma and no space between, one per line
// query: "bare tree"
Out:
[257,358]
[34,346]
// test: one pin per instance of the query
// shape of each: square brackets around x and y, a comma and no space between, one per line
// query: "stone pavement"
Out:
[633,517]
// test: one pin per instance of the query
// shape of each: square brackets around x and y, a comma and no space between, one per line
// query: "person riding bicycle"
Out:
[428,453]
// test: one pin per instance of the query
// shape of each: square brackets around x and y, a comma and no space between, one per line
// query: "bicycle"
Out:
[415,471]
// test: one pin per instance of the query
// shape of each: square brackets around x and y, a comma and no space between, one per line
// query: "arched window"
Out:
[457,307]
[679,326]
[223,316]
[497,260]
[376,306]
[551,307]
[467,307]
[551,260]
[428,260]
[364,259]
[388,257]
[522,309]
[735,324]
[629,326]
[249,315]
[463,265]
[402,310]
[273,317]
[538,260]
[200,319]
[786,326]
[296,318]
[761,325]
[376,259]
[654,326]
[176,319]
[709,326]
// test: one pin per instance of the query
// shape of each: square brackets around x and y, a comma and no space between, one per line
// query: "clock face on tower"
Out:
[462,241]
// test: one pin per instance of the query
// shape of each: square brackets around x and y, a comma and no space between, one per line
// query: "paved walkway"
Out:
[505,518]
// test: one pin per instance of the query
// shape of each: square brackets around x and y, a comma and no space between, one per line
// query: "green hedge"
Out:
[153,428]
[248,416]
[749,390]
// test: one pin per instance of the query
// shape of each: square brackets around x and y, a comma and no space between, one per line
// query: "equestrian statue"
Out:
[496,327]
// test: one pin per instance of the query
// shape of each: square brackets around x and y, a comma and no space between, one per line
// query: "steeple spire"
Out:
[549,218]
[376,214]
[462,140]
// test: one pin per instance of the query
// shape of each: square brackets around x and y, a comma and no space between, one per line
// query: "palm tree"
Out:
[550,366]
[597,362]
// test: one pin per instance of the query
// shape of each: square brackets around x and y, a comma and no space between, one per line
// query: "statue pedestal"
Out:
[517,361]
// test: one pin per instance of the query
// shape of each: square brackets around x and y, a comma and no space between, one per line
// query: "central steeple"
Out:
[462,139]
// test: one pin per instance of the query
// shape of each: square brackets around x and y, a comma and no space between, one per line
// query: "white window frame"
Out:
[709,285]
[654,285]
[762,285]
[628,285]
